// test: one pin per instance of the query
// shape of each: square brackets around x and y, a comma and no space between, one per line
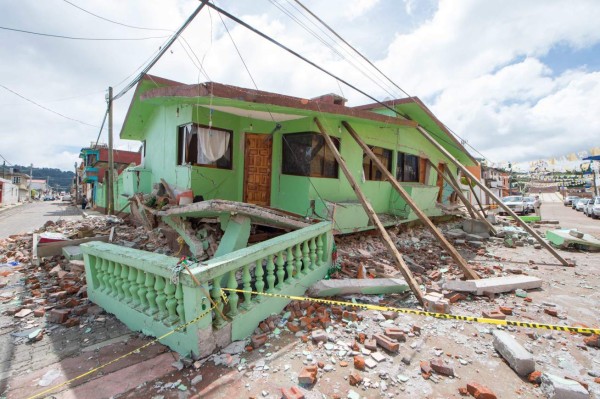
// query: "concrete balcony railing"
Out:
[140,289]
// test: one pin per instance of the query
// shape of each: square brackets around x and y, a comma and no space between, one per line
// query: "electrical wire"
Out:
[80,38]
[6,160]
[45,108]
[113,22]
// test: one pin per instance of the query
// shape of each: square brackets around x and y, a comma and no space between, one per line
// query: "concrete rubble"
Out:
[314,350]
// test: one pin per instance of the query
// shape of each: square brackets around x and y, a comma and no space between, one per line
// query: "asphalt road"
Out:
[31,216]
[553,208]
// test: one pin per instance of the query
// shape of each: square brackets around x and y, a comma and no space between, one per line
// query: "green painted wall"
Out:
[292,193]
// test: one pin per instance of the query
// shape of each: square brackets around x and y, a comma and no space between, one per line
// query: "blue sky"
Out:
[518,80]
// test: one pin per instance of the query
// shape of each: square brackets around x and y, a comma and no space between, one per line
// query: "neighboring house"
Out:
[21,181]
[497,181]
[9,192]
[94,170]
[226,142]
[40,186]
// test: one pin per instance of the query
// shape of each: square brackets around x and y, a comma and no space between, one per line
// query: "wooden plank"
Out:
[493,196]
[55,248]
[469,273]
[169,189]
[401,265]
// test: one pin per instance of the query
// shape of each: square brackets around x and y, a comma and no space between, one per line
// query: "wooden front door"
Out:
[257,169]
[440,181]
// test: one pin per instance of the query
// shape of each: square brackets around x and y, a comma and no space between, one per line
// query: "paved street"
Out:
[31,216]
[553,209]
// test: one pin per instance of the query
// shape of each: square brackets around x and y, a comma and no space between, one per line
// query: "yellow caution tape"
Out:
[582,330]
[181,327]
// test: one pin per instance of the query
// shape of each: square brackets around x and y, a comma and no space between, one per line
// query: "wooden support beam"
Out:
[475,195]
[401,265]
[493,196]
[479,215]
[462,263]
[474,214]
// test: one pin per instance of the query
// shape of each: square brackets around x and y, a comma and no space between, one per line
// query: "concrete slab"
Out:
[563,238]
[72,252]
[517,357]
[358,286]
[555,387]
[472,226]
[495,285]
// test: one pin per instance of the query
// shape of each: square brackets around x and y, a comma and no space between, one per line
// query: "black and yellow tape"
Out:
[178,328]
[573,329]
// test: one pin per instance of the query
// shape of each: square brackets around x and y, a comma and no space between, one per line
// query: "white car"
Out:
[581,204]
[516,203]
[594,212]
[66,197]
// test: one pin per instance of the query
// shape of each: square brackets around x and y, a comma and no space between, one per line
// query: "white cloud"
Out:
[356,8]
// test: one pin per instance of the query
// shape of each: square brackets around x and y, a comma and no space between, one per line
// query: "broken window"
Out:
[370,169]
[204,146]
[307,154]
[408,168]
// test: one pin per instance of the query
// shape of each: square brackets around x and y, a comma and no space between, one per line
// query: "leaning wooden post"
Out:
[482,214]
[469,273]
[401,265]
[475,194]
[493,196]
[473,212]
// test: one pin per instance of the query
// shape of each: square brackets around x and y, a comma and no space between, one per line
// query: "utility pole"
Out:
[76,185]
[110,206]
[3,167]
[30,179]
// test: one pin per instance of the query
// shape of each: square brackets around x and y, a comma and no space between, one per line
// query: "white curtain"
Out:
[212,144]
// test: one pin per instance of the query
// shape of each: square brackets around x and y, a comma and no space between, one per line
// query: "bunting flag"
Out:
[572,157]
[595,151]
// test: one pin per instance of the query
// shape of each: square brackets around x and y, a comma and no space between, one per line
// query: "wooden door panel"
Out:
[257,169]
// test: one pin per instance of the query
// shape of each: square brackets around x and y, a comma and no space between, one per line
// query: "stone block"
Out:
[473,226]
[554,387]
[318,336]
[518,358]
[436,303]
[494,314]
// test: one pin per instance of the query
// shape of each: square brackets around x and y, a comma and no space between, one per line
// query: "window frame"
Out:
[324,158]
[183,151]
[401,165]
[373,168]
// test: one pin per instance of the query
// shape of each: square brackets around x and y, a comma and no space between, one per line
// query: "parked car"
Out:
[569,200]
[574,202]
[66,197]
[48,198]
[594,210]
[587,210]
[581,204]
[516,203]
[529,201]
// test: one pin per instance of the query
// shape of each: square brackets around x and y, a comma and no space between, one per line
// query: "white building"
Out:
[9,193]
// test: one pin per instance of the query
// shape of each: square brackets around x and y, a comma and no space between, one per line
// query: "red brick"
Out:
[355,379]
[535,377]
[361,338]
[416,330]
[494,314]
[343,364]
[258,340]
[463,391]
[371,344]
[440,367]
[308,375]
[359,362]
[425,367]
[456,297]
[58,295]
[292,393]
[293,327]
[352,316]
[58,316]
[479,391]
[72,322]
[390,315]
[551,312]
[386,343]
[506,310]
[597,380]
[395,333]
[593,341]
[39,312]
[336,310]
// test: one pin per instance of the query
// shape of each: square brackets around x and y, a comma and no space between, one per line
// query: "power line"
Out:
[162,50]
[6,160]
[111,21]
[80,38]
[47,109]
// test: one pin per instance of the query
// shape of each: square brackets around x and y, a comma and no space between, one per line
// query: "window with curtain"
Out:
[370,169]
[203,146]
[307,154]
[407,169]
